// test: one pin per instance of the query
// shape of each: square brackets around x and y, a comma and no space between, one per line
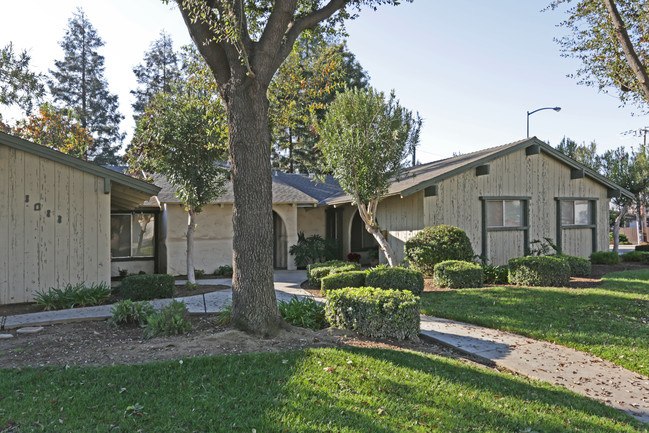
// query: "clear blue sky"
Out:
[471,68]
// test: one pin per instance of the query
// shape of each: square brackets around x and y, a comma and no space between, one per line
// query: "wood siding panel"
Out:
[32,223]
[62,225]
[404,217]
[17,206]
[578,242]
[503,246]
[76,227]
[90,212]
[4,225]
[47,225]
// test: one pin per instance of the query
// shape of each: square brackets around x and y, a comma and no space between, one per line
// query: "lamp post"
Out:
[538,109]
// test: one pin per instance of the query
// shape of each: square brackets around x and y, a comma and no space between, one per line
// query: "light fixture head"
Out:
[557,108]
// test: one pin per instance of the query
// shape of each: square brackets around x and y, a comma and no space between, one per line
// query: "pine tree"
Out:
[78,83]
[156,73]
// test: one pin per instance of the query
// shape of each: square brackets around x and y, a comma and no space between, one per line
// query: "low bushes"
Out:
[305,313]
[539,271]
[457,274]
[397,279]
[224,271]
[316,272]
[374,312]
[605,258]
[579,266]
[342,280]
[72,296]
[643,247]
[635,256]
[437,244]
[145,287]
[127,312]
[171,320]
[495,274]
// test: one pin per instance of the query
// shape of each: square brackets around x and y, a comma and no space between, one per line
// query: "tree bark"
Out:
[632,58]
[369,218]
[191,227]
[254,305]
[384,245]
[616,227]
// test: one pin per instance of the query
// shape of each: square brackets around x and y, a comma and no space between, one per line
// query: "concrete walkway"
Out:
[578,371]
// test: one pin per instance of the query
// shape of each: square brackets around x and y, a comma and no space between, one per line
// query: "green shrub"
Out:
[539,271]
[316,272]
[579,266]
[305,313]
[437,244]
[624,239]
[199,273]
[605,258]
[224,317]
[342,280]
[634,256]
[313,249]
[374,312]
[643,247]
[127,312]
[71,296]
[457,274]
[397,279]
[224,271]
[171,320]
[495,274]
[145,287]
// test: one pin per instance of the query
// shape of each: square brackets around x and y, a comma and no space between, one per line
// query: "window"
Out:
[132,235]
[576,212]
[504,213]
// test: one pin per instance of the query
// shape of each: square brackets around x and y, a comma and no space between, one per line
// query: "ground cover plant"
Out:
[609,321]
[71,296]
[305,313]
[315,390]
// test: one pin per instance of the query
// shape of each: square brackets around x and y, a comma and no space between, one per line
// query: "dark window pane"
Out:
[567,212]
[120,235]
[495,213]
[143,234]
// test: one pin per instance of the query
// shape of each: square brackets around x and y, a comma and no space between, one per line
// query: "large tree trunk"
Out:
[384,245]
[191,227]
[254,305]
[616,227]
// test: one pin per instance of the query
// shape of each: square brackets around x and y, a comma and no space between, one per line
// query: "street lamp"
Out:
[538,109]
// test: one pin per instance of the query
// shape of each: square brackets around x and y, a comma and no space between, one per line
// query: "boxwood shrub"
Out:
[146,287]
[397,279]
[634,256]
[643,247]
[457,274]
[437,244]
[342,280]
[317,271]
[495,274]
[605,258]
[579,266]
[374,312]
[539,271]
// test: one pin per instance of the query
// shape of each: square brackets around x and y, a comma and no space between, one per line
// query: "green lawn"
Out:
[611,321]
[320,390]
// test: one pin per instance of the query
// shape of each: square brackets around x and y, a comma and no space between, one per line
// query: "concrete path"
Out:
[575,370]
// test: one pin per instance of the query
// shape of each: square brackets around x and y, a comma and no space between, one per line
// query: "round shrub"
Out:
[579,266]
[433,245]
[457,274]
[342,280]
[495,274]
[539,271]
[605,258]
[396,279]
[634,256]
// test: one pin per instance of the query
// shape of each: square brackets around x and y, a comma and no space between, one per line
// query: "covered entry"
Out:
[280,247]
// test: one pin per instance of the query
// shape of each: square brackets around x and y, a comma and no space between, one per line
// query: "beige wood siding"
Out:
[54,226]
[540,177]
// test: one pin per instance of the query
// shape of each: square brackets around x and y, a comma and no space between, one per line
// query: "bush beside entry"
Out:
[397,279]
[374,312]
[539,271]
[437,244]
[457,274]
[145,287]
[342,280]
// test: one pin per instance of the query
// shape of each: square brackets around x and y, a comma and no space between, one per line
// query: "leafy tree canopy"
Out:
[583,153]
[19,85]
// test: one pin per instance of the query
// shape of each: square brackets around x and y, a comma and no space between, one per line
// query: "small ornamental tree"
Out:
[364,139]
[183,135]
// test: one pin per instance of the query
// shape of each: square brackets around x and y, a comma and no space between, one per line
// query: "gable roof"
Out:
[422,176]
[287,188]
[127,190]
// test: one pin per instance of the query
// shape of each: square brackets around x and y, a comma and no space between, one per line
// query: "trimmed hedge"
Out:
[643,247]
[457,274]
[635,256]
[579,266]
[315,272]
[374,312]
[495,274]
[342,280]
[397,279]
[539,271]
[437,244]
[605,258]
[146,287]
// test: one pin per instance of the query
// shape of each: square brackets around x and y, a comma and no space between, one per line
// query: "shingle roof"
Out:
[286,187]
[419,177]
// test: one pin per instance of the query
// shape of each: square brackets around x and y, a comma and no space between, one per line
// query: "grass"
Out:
[318,390]
[611,321]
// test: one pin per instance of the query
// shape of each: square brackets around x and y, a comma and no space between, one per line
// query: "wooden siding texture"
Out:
[59,235]
[537,176]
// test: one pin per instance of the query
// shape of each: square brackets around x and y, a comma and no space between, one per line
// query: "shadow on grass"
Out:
[341,390]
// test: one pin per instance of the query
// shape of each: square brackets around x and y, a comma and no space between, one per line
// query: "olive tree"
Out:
[364,139]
